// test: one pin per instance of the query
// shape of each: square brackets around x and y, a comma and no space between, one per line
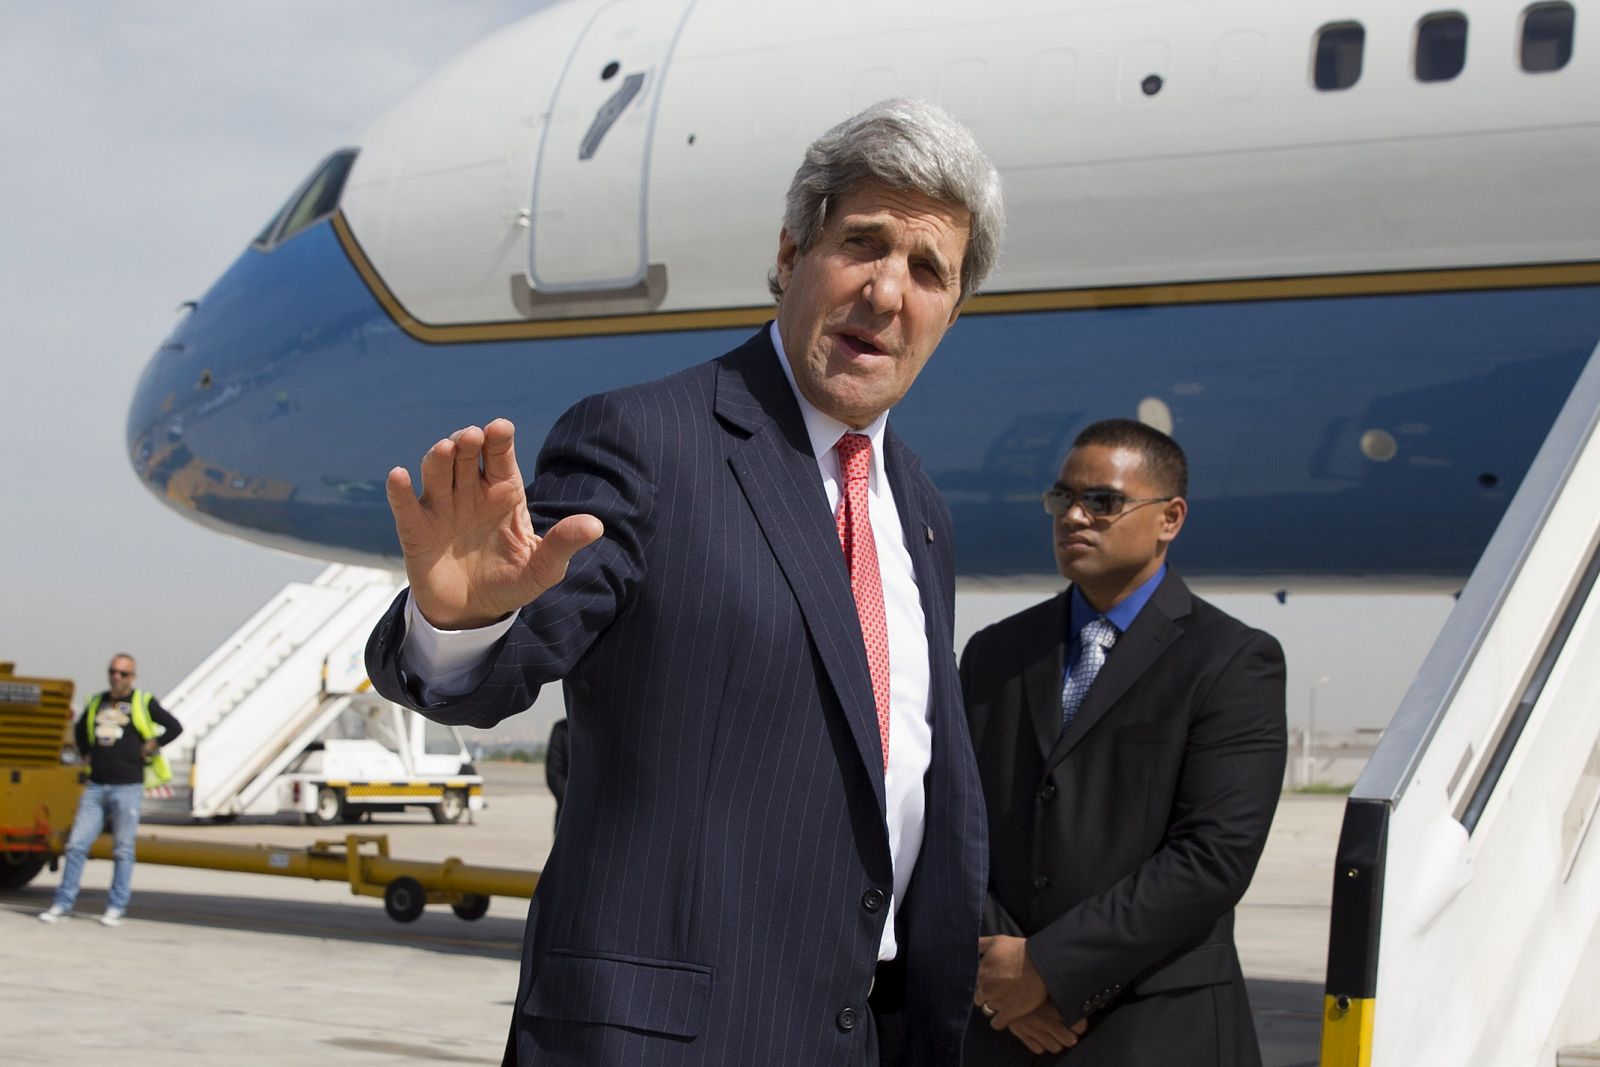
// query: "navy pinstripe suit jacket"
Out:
[707,900]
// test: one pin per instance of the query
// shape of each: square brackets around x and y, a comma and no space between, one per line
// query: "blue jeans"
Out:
[122,801]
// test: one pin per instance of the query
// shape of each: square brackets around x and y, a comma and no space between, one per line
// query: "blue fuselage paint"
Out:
[278,405]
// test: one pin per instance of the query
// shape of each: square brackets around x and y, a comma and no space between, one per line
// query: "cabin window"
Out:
[1546,37]
[315,200]
[1441,46]
[1337,62]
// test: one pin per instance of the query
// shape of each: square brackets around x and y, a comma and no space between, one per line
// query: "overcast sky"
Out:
[145,144]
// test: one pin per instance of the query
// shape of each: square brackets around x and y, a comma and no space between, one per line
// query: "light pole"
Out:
[1311,729]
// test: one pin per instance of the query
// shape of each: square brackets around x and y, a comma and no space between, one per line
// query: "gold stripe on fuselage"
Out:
[1380,283]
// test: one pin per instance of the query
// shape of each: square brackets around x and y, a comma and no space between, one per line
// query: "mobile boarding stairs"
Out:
[281,718]
[1466,904]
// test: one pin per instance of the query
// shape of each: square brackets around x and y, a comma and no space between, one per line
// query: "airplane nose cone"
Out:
[187,439]
[230,423]
[155,425]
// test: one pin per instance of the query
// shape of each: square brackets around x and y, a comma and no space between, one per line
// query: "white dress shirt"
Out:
[452,662]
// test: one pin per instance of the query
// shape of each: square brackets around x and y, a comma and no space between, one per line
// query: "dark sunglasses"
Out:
[1097,503]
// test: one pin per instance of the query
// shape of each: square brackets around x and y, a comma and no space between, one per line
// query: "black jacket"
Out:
[1120,848]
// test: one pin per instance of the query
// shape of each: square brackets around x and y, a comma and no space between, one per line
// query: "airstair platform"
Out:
[1465,924]
[270,690]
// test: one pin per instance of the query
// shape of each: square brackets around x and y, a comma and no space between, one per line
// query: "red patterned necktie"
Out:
[861,552]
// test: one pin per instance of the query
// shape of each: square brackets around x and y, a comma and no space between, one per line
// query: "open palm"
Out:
[470,550]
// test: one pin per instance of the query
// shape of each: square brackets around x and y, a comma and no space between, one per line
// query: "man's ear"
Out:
[1172,516]
[788,252]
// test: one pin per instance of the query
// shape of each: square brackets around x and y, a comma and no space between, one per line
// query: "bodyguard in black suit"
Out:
[1129,788]
[772,845]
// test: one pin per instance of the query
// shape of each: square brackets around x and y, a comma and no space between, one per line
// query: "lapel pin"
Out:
[927,531]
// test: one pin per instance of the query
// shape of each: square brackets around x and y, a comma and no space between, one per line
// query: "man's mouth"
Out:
[859,344]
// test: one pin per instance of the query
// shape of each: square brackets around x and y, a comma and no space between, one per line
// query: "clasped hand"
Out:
[1014,997]
[470,551]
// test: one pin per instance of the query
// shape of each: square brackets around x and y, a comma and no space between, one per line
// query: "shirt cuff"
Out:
[447,663]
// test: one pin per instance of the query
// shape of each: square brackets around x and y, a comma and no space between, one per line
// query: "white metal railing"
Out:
[1466,919]
[256,694]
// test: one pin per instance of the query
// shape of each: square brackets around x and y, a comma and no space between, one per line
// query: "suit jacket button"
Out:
[1040,881]
[846,1021]
[872,901]
[1047,791]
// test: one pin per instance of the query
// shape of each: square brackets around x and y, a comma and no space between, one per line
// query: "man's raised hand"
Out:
[470,551]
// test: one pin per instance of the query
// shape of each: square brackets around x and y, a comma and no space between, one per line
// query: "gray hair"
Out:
[906,145]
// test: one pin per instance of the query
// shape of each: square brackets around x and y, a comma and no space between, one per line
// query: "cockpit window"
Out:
[313,201]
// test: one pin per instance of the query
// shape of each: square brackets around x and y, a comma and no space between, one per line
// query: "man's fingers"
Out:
[1080,1026]
[984,944]
[437,473]
[1043,1031]
[1005,1014]
[402,501]
[469,446]
[557,547]
[1046,1040]
[499,452]
[1053,1035]
[571,534]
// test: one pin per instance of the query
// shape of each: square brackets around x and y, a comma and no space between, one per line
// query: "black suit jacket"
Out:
[555,764]
[1121,846]
[715,894]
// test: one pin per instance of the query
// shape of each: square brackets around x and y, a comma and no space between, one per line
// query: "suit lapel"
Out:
[1043,665]
[778,475]
[1155,628]
[916,527]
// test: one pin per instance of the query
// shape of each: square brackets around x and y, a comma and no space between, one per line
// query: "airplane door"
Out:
[588,222]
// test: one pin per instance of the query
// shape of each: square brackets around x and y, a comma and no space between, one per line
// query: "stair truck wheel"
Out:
[451,806]
[330,807]
[471,906]
[404,899]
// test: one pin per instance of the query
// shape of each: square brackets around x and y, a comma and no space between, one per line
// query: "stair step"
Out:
[1579,1055]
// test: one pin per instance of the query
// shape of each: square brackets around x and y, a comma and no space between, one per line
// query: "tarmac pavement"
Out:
[217,967]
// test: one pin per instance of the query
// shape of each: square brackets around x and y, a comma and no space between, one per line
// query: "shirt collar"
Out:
[1080,613]
[823,429]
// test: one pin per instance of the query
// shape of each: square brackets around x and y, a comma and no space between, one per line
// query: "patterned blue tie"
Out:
[1094,641]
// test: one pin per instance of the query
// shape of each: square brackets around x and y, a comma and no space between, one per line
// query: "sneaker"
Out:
[54,914]
[112,917]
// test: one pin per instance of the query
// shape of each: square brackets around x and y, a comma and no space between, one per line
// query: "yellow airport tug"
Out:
[41,780]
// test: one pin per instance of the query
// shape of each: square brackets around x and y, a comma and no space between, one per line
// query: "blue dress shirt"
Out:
[1080,614]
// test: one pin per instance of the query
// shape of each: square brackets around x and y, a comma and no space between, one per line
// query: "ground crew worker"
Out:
[120,733]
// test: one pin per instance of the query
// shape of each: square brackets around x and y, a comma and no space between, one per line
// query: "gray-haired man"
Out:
[772,846]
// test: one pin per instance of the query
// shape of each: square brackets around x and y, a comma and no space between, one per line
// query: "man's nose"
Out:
[886,286]
[1077,516]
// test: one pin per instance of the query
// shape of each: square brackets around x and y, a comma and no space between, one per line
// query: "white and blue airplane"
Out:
[1347,251]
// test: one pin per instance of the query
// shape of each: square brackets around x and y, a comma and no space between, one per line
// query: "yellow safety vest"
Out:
[156,770]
